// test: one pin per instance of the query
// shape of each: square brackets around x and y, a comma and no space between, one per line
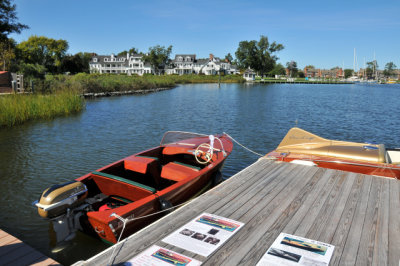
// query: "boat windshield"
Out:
[175,136]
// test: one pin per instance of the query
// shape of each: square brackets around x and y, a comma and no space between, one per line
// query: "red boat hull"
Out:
[377,169]
[187,183]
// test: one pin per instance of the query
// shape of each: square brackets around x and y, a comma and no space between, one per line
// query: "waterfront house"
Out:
[249,75]
[130,64]
[184,64]
[310,72]
[189,64]
[133,64]
[108,64]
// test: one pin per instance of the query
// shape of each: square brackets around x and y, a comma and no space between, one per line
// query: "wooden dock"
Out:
[358,214]
[14,252]
[273,81]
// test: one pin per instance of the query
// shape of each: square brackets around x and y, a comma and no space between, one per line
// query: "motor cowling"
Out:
[57,199]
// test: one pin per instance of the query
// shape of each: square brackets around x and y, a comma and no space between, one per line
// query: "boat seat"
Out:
[146,165]
[140,164]
[174,150]
[177,171]
[124,180]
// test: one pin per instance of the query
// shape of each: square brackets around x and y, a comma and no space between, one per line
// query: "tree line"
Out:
[40,55]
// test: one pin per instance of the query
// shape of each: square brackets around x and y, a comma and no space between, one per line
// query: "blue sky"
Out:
[319,33]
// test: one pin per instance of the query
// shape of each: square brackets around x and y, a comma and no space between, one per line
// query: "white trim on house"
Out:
[132,64]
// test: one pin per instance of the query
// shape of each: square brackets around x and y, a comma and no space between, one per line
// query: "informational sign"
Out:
[204,234]
[294,250]
[156,255]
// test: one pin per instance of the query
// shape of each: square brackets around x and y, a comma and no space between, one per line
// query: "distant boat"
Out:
[302,147]
[354,79]
[391,81]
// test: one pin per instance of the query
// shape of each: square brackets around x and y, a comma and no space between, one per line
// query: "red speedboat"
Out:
[302,147]
[130,190]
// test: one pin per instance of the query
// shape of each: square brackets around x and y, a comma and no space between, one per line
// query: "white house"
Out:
[184,64]
[108,64]
[132,64]
[189,64]
[249,75]
[129,64]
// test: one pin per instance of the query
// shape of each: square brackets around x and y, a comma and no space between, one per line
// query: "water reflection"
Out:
[37,154]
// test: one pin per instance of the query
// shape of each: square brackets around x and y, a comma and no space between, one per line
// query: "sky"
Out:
[319,33]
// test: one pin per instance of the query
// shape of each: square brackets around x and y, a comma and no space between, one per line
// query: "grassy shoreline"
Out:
[18,108]
[60,95]
[101,83]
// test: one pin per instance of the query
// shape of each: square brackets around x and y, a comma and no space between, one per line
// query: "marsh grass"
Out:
[59,95]
[95,83]
[19,108]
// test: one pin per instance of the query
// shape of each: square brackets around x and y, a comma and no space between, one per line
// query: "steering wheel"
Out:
[203,157]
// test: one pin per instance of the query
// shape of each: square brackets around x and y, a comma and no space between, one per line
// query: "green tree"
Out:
[229,57]
[8,19]
[348,73]
[258,55]
[158,57]
[7,53]
[389,69]
[133,50]
[292,66]
[371,68]
[78,63]
[43,51]
[32,70]
[278,69]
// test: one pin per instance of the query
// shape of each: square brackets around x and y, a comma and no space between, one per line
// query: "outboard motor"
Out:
[63,205]
[57,199]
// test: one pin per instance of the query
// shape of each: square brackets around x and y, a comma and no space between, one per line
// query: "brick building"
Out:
[323,73]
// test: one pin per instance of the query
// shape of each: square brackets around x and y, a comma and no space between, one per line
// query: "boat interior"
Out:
[139,176]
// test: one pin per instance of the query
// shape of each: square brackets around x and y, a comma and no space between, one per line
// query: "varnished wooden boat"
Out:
[135,187]
[302,147]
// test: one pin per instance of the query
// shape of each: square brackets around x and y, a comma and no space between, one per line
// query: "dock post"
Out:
[14,86]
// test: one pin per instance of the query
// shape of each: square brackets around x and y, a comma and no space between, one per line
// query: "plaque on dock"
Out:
[294,250]
[204,234]
[156,255]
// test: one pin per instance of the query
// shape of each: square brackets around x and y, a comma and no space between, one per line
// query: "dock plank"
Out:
[261,246]
[14,252]
[268,211]
[366,249]
[394,223]
[381,246]
[349,190]
[342,231]
[339,192]
[350,249]
[320,192]
[358,214]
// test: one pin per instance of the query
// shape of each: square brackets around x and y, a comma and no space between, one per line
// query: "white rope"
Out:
[261,155]
[119,238]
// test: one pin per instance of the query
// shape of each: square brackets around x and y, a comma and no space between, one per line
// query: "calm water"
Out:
[38,154]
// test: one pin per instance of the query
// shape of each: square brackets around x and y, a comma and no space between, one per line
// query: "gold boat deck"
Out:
[358,214]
